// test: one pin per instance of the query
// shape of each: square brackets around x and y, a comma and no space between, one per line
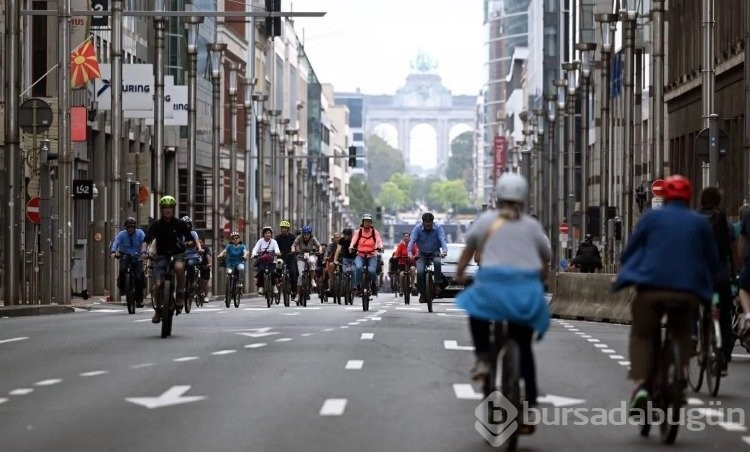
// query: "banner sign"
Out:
[498,150]
[137,87]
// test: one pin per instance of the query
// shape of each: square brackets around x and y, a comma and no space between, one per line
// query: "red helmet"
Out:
[677,187]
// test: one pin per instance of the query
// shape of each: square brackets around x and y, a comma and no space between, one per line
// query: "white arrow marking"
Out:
[172,396]
[367,336]
[14,339]
[466,392]
[453,345]
[333,407]
[49,382]
[559,401]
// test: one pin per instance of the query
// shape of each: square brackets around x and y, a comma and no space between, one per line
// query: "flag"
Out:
[83,64]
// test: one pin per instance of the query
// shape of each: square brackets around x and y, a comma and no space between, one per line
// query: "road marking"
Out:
[284,339]
[254,309]
[367,336]
[333,407]
[256,345]
[185,358]
[746,439]
[711,412]
[291,313]
[618,357]
[732,427]
[581,334]
[601,345]
[329,329]
[224,352]
[140,366]
[172,396]
[352,308]
[2,400]
[559,401]
[141,320]
[362,320]
[93,373]
[49,382]
[354,364]
[453,345]
[466,392]
[586,336]
[353,323]
[13,339]
[694,401]
[455,309]
[401,308]
[306,334]
[592,340]
[204,310]
[607,350]
[572,329]
[270,333]
[344,326]
[376,318]
[740,356]
[21,391]
[313,308]
[623,363]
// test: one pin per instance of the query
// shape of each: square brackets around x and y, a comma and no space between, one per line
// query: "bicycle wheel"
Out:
[696,367]
[366,292]
[166,309]
[671,394]
[429,289]
[286,288]
[268,289]
[201,291]
[346,289]
[228,291]
[189,297]
[130,293]
[406,290]
[304,291]
[509,384]
[714,361]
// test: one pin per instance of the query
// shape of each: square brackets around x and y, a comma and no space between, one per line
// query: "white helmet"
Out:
[512,187]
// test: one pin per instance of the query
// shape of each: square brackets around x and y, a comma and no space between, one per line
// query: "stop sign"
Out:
[32,210]
[563,228]
[657,187]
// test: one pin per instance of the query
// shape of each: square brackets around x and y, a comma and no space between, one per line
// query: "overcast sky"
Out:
[370,43]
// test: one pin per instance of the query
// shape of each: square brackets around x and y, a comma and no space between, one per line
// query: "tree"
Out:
[460,163]
[383,162]
[404,181]
[360,197]
[392,197]
[422,186]
[444,195]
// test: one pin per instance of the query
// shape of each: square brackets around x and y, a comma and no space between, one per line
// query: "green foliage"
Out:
[446,194]
[404,181]
[460,164]
[360,197]
[383,162]
[422,187]
[392,197]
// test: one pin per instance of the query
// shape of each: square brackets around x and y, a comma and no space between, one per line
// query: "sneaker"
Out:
[260,291]
[481,370]
[275,290]
[414,291]
[314,285]
[157,316]
[639,400]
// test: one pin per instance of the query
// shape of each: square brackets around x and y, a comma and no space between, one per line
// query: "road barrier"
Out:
[589,296]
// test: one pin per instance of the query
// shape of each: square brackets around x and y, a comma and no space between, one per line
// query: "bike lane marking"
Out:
[333,407]
[13,339]
[354,364]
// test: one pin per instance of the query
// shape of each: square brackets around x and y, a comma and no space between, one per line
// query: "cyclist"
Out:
[285,239]
[366,243]
[306,243]
[430,239]
[329,255]
[508,285]
[669,257]
[236,254]
[404,262]
[128,242]
[344,254]
[193,252]
[266,250]
[172,237]
[204,268]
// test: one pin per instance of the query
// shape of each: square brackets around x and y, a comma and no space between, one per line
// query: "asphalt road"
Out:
[321,378]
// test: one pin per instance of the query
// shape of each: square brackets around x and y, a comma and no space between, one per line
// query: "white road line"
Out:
[2,400]
[256,345]
[284,339]
[711,412]
[601,345]
[185,358]
[21,391]
[254,309]
[306,334]
[607,350]
[592,340]
[401,308]
[354,364]
[362,320]
[573,329]
[333,407]
[453,345]
[376,318]
[13,339]
[694,401]
[732,427]
[224,352]
[329,329]
[141,320]
[454,309]
[291,313]
[93,373]
[308,308]
[344,326]
[624,363]
[580,333]
[264,334]
[353,323]
[585,336]
[745,439]
[740,356]
[50,382]
[367,336]
[352,308]
[618,357]
[141,366]
[466,392]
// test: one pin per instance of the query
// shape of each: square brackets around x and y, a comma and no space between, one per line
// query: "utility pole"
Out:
[710,120]
[233,68]
[659,160]
[216,50]
[628,17]
[251,204]
[192,50]
[13,185]
[64,228]
[117,135]
[159,25]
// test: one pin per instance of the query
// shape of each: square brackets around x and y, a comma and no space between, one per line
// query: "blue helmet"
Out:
[307,229]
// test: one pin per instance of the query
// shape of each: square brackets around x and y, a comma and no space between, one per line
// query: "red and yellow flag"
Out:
[83,64]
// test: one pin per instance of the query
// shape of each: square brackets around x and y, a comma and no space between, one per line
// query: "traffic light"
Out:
[273,24]
[379,213]
[352,156]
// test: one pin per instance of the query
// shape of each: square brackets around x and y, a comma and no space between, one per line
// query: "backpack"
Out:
[720,228]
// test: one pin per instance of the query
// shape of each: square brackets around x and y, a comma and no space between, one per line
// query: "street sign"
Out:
[100,5]
[83,189]
[34,114]
[564,228]
[564,238]
[656,202]
[657,187]
[32,211]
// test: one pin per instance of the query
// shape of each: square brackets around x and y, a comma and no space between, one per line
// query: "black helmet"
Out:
[347,231]
[130,221]
[427,216]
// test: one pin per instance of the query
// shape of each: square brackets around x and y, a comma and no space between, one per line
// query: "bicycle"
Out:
[366,286]
[346,286]
[709,358]
[166,297]
[285,291]
[306,283]
[191,272]
[336,283]
[132,264]
[268,286]
[669,383]
[505,373]
[429,280]
[230,291]
[404,283]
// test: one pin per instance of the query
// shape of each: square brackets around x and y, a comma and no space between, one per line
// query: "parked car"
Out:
[449,270]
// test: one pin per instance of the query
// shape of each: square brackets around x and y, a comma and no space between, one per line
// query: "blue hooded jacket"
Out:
[671,248]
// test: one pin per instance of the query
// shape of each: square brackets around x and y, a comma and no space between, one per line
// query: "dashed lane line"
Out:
[223,352]
[185,358]
[367,336]
[466,392]
[354,364]
[13,339]
[93,373]
[284,339]
[3,400]
[21,391]
[50,382]
[333,407]
[256,345]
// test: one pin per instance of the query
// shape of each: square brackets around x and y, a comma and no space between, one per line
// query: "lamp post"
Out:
[160,173]
[272,122]
[191,25]
[607,27]
[216,50]
[585,49]
[250,206]
[539,118]
[282,168]
[628,17]
[289,165]
[552,207]
[233,68]
[571,70]
[262,120]
[562,87]
[659,159]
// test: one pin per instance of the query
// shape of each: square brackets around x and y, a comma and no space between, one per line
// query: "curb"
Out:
[23,311]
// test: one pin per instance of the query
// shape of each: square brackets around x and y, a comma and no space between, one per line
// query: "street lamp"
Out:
[571,72]
[262,120]
[586,50]
[234,67]
[216,50]
[283,169]
[191,26]
[628,16]
[272,124]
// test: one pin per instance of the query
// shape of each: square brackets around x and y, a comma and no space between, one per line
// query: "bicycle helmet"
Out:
[267,228]
[167,201]
[130,221]
[367,216]
[347,231]
[234,234]
[512,187]
[285,224]
[186,219]
[677,187]
[307,229]
[428,216]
